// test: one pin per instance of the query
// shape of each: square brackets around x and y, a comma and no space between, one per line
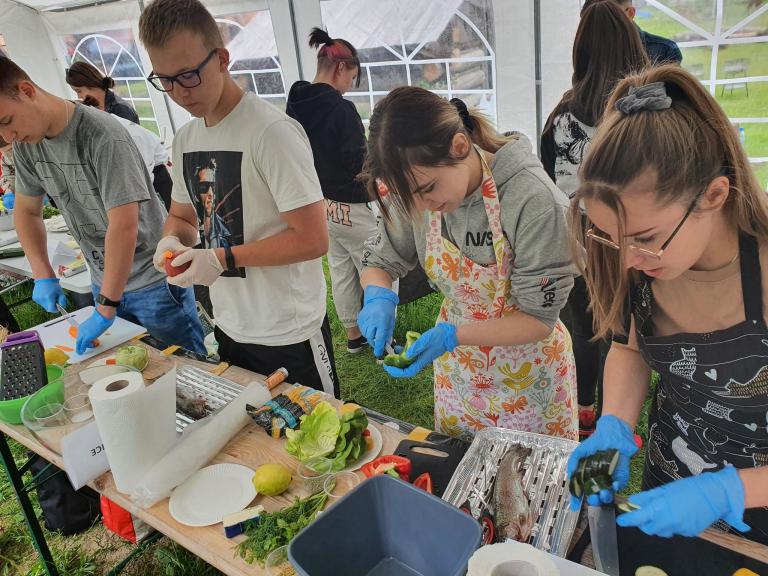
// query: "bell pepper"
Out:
[424,481]
[397,466]
[401,360]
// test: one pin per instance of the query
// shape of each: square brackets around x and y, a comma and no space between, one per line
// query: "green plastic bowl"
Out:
[10,410]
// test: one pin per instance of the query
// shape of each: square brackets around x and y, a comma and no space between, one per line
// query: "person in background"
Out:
[335,131]
[607,47]
[660,50]
[87,80]
[87,162]
[244,182]
[152,151]
[480,214]
[677,270]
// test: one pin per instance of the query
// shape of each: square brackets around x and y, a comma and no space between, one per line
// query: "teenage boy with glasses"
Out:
[245,183]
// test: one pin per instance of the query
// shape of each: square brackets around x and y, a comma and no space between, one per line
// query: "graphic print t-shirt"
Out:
[571,137]
[88,169]
[240,175]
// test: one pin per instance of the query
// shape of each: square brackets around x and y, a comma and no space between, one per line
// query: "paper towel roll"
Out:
[511,559]
[137,423]
[197,447]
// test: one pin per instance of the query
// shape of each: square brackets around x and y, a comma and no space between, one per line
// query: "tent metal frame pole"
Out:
[294,28]
[537,70]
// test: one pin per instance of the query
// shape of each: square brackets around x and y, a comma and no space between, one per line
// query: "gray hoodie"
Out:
[532,217]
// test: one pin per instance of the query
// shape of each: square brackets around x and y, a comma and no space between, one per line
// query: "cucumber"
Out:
[623,504]
[613,461]
[650,571]
[574,486]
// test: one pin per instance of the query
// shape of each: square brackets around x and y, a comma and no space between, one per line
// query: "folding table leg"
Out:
[38,537]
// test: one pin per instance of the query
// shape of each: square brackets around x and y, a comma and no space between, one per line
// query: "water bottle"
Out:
[742,135]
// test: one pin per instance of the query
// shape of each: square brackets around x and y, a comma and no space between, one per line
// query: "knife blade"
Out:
[67,316]
[602,527]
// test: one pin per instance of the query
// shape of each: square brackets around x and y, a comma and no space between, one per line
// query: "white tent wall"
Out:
[30,47]
[514,28]
[559,21]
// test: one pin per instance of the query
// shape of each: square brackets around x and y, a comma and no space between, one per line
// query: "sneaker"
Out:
[356,345]
[587,418]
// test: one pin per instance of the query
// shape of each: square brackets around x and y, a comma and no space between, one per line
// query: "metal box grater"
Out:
[544,481]
[22,365]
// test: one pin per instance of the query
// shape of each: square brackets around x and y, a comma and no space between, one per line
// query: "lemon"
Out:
[271,479]
[55,356]
[347,408]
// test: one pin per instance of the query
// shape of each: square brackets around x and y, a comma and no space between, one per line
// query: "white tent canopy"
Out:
[41,35]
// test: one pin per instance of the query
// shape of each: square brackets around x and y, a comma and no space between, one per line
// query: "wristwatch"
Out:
[104,301]
[229,257]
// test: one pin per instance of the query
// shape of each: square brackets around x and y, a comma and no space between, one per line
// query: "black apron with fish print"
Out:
[711,405]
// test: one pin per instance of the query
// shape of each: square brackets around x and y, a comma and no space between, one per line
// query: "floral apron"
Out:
[530,387]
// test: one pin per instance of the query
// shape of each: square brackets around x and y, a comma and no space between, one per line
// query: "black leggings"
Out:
[590,356]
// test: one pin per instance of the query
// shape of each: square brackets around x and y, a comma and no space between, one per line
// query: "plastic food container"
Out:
[10,410]
[386,527]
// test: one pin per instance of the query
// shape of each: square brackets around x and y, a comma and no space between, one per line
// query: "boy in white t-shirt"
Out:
[244,180]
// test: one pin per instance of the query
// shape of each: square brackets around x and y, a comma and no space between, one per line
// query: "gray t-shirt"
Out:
[88,169]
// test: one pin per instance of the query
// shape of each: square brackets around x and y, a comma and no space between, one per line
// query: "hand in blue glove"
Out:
[47,293]
[689,506]
[377,318]
[90,330]
[9,200]
[611,433]
[431,345]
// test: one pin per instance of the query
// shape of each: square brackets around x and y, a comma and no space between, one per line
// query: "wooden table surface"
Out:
[251,447]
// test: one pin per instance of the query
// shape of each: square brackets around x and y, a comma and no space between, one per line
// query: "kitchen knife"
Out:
[67,316]
[602,527]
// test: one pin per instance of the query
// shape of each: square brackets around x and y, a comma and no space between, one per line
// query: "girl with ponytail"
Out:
[676,267]
[478,212]
[87,80]
[335,131]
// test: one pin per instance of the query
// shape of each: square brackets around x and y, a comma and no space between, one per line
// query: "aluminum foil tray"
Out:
[544,480]
[217,391]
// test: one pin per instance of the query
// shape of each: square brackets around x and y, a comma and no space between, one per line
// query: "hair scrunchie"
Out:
[650,97]
[461,108]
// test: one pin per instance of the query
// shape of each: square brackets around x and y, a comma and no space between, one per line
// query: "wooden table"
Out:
[251,447]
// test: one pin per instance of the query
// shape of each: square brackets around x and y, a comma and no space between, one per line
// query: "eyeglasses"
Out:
[593,234]
[188,79]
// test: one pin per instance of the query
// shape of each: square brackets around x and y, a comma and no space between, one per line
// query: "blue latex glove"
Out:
[9,200]
[689,506]
[611,433]
[377,318]
[431,345]
[47,292]
[90,330]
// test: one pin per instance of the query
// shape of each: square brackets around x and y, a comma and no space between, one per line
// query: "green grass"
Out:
[736,103]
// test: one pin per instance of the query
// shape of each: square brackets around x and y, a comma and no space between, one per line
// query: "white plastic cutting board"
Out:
[56,331]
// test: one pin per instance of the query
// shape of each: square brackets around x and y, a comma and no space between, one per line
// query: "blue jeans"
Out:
[167,312]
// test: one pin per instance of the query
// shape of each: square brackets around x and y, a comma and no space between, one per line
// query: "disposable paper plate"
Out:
[212,493]
[369,455]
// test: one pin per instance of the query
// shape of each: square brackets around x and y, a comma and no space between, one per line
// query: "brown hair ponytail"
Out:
[686,145]
[83,75]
